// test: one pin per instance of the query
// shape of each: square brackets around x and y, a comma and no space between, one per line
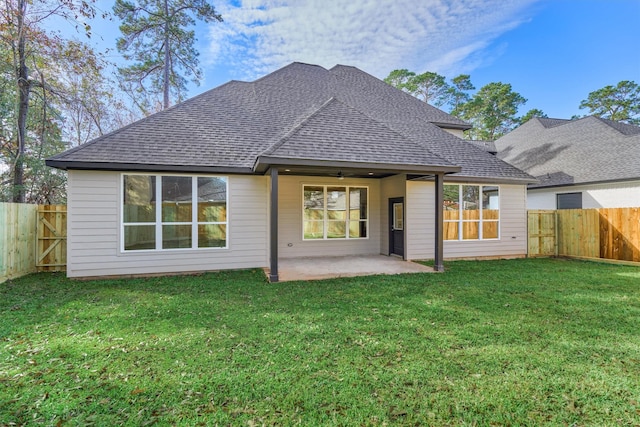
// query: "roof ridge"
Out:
[451,119]
[266,76]
[618,125]
[293,129]
[552,122]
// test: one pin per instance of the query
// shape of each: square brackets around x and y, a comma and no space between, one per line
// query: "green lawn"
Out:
[493,343]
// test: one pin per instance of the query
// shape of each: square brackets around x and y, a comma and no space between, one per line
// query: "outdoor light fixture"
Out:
[340,175]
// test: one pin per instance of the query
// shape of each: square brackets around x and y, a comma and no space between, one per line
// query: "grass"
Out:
[493,343]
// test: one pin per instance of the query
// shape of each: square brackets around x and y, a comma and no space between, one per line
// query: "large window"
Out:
[173,212]
[471,212]
[335,212]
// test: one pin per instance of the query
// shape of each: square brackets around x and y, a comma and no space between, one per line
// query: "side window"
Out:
[173,212]
[569,201]
[471,212]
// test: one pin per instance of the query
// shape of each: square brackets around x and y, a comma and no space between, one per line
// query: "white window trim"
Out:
[325,220]
[481,220]
[159,223]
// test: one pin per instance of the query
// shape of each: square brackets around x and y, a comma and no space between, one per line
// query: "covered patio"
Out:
[318,268]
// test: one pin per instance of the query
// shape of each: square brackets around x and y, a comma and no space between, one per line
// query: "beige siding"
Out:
[420,221]
[94,231]
[457,132]
[393,186]
[290,242]
[610,195]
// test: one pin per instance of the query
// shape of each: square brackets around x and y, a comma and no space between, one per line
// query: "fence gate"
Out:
[542,233]
[51,251]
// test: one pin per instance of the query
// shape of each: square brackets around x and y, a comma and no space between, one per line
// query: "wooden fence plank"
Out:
[578,232]
[620,234]
[17,240]
[606,233]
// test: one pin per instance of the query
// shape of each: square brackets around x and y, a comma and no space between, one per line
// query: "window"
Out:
[569,201]
[173,212]
[471,212]
[334,212]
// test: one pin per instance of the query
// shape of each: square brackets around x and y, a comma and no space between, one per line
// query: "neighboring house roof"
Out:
[300,114]
[565,152]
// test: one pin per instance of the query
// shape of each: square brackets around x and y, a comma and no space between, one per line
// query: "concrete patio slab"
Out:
[316,268]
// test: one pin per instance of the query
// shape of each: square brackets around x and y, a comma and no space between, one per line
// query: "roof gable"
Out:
[338,132]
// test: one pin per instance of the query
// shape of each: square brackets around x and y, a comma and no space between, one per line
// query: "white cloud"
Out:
[446,36]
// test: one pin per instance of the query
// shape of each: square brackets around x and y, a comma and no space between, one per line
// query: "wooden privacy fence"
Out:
[608,233]
[32,238]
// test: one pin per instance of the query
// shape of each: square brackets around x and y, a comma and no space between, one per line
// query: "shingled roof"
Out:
[564,152]
[299,114]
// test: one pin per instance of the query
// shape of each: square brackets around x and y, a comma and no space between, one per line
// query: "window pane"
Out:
[470,230]
[358,203]
[137,237]
[490,199]
[313,202]
[336,230]
[212,236]
[451,202]
[337,203]
[176,236]
[490,230]
[139,204]
[470,202]
[450,231]
[212,200]
[569,201]
[398,216]
[357,229]
[176,199]
[314,230]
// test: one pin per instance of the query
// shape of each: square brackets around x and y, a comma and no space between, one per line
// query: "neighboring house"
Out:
[585,163]
[303,162]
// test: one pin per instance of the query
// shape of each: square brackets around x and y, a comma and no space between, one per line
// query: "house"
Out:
[585,163]
[303,162]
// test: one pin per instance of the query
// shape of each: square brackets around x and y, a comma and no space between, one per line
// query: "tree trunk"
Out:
[22,74]
[165,77]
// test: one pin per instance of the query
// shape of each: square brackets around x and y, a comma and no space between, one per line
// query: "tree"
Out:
[155,36]
[399,78]
[492,111]
[458,95]
[620,103]
[88,105]
[25,41]
[430,87]
[530,115]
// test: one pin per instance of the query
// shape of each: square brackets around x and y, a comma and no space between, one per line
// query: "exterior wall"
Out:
[94,231]
[457,132]
[610,195]
[393,186]
[290,242]
[420,226]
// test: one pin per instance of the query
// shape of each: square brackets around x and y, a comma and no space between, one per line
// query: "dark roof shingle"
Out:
[586,150]
[298,111]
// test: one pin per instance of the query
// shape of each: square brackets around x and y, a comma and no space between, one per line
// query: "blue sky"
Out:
[553,52]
